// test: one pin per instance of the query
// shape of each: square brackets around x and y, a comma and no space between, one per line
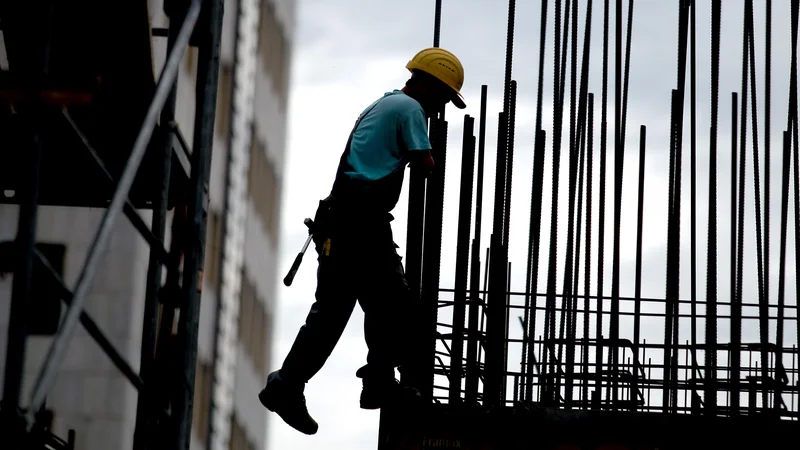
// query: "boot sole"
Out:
[262,397]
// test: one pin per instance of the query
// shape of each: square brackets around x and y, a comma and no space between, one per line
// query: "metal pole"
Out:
[21,287]
[206,94]
[158,225]
[57,350]
[25,242]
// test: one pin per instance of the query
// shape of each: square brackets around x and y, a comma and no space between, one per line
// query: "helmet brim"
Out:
[458,101]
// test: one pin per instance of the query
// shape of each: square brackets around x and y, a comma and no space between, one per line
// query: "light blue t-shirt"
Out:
[393,127]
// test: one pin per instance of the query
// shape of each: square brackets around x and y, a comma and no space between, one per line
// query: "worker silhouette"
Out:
[357,256]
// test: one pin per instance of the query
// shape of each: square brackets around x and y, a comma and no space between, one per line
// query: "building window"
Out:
[274,50]
[254,326]
[202,399]
[44,312]
[224,104]
[213,241]
[264,187]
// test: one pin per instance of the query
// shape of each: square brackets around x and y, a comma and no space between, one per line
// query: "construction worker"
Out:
[357,256]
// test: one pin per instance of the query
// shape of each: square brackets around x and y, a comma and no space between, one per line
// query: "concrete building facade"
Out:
[241,265]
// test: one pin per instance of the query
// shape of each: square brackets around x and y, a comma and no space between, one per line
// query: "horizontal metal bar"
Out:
[50,97]
[92,328]
[595,312]
[608,298]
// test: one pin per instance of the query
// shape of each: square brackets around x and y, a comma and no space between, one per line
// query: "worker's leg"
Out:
[316,339]
[325,323]
[387,322]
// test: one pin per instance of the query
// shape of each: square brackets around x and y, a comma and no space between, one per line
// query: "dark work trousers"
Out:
[360,264]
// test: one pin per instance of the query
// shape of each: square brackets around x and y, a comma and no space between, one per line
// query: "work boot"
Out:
[382,390]
[288,401]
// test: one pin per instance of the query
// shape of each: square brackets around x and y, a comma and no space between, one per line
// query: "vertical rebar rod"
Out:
[567,311]
[558,100]
[471,382]
[671,334]
[202,142]
[793,128]
[693,193]
[602,209]
[618,167]
[434,204]
[415,227]
[588,259]
[573,294]
[497,358]
[437,23]
[493,369]
[577,145]
[768,164]
[638,281]
[507,320]
[734,128]
[534,238]
[510,134]
[736,307]
[782,261]
[626,76]
[762,298]
[462,258]
[512,6]
[557,358]
[710,394]
[483,303]
[670,303]
[536,225]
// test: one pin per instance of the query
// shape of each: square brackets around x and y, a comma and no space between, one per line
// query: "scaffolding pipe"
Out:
[57,350]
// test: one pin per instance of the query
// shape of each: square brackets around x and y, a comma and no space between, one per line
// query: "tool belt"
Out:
[372,197]
[335,216]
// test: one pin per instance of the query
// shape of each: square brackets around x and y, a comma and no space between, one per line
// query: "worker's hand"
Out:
[423,163]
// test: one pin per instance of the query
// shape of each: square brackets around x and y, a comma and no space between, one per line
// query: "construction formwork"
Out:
[571,360]
[84,123]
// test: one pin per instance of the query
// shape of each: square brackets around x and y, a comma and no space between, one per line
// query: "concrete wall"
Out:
[89,394]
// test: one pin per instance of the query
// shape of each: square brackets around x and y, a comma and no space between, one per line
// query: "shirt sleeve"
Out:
[414,131]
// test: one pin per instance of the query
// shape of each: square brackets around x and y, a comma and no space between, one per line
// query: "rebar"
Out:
[586,357]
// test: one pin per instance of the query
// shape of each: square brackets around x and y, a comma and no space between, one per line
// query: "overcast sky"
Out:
[348,53]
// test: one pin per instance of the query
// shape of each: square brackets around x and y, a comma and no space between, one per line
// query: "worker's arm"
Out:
[414,133]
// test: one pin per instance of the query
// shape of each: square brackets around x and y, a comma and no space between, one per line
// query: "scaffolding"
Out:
[595,369]
[84,123]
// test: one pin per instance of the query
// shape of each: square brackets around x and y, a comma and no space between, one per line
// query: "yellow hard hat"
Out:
[444,66]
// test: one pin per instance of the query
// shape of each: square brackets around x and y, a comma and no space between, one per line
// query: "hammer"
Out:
[287,280]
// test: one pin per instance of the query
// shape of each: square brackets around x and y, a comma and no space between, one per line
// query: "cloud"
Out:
[350,52]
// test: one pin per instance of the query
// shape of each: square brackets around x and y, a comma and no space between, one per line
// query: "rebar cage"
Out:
[580,332]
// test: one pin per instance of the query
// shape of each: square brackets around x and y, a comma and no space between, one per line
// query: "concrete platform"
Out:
[448,427]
